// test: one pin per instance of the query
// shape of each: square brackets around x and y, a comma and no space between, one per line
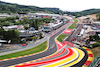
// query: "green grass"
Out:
[75,20]
[36,49]
[96,51]
[61,37]
[72,26]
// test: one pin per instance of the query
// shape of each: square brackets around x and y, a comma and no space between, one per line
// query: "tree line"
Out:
[12,35]
[32,22]
[8,21]
[15,8]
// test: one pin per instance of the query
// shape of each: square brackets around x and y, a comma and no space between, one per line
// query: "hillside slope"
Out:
[88,12]
[14,8]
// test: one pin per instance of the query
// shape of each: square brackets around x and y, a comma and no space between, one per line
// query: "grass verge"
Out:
[61,37]
[72,26]
[36,49]
[96,51]
[75,20]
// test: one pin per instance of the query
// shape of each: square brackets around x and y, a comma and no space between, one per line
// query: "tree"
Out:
[17,17]
[15,38]
[12,35]
[6,23]
[1,33]
[41,36]
[25,27]
[94,38]
[34,38]
[36,24]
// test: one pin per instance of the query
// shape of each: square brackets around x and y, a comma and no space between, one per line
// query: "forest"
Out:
[15,8]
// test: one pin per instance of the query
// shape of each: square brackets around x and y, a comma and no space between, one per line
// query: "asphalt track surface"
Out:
[48,52]
[51,49]
[82,61]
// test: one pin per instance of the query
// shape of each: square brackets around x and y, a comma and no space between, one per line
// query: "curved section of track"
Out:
[81,55]
[48,52]
[46,62]
[57,55]
[64,61]
[83,60]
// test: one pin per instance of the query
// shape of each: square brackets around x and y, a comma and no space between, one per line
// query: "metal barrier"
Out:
[95,61]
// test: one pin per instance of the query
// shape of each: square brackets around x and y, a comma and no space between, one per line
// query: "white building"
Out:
[2,41]
[4,15]
[14,27]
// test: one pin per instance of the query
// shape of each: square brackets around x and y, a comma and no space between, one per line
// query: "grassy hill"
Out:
[14,8]
[88,12]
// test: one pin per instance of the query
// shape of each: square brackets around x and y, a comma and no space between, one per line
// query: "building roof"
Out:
[97,22]
[1,41]
[47,14]
[4,15]
[13,26]
[22,13]
[31,29]
[92,42]
[26,35]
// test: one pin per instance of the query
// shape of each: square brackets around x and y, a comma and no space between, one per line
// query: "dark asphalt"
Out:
[82,61]
[49,51]
[29,58]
